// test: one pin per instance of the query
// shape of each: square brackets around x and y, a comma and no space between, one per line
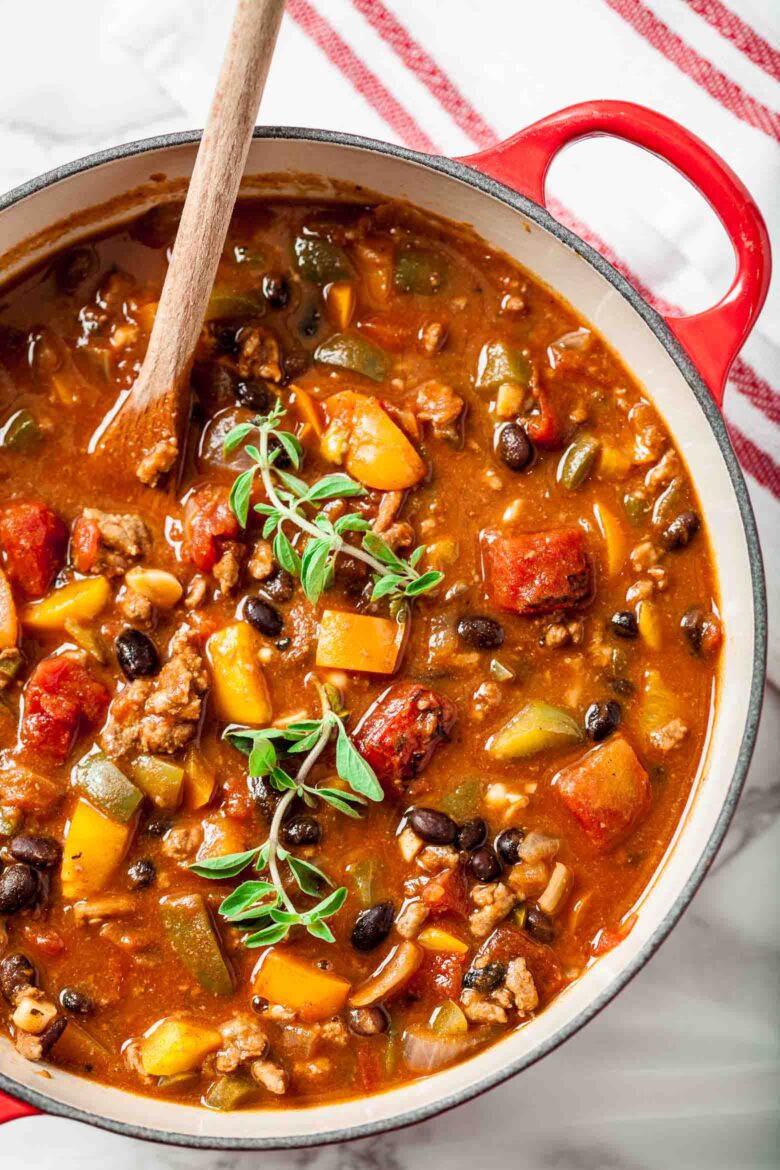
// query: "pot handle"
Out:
[11,1109]
[712,338]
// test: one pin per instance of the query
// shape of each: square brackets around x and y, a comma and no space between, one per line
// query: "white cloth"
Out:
[453,77]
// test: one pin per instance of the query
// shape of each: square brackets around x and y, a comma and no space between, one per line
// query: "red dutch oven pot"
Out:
[682,360]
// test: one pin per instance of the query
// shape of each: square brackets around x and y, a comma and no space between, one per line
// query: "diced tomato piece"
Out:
[507,943]
[543,428]
[447,892]
[85,544]
[43,939]
[370,1062]
[208,521]
[400,732]
[391,333]
[439,976]
[29,791]
[34,540]
[60,695]
[608,938]
[538,572]
[607,791]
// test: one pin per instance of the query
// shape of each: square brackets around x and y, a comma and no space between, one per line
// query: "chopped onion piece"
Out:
[424,1050]
[556,889]
[393,974]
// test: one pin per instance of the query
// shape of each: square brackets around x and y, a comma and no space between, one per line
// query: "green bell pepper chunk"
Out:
[227,304]
[355,354]
[463,801]
[11,819]
[10,665]
[499,363]
[364,874]
[107,787]
[577,461]
[420,271]
[230,1092]
[636,508]
[159,779]
[536,727]
[320,261]
[21,432]
[188,928]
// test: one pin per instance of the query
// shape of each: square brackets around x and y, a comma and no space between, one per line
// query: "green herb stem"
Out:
[394,578]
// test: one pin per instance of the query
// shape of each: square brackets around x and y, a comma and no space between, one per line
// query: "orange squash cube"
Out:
[281,977]
[356,641]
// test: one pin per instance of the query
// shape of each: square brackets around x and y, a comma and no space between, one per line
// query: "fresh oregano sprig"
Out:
[264,903]
[292,501]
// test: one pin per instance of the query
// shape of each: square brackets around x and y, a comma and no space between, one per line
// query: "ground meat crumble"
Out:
[160,714]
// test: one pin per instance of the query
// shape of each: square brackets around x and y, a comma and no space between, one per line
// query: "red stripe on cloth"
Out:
[742,36]
[756,462]
[417,60]
[423,66]
[365,82]
[756,389]
[730,95]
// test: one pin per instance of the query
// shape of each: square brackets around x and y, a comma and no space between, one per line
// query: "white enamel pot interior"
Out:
[525,231]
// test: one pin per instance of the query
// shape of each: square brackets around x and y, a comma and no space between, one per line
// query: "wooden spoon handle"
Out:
[211,196]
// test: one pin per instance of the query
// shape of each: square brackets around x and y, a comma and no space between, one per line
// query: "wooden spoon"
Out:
[144,433]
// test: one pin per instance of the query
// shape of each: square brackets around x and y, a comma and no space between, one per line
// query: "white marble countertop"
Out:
[682,1069]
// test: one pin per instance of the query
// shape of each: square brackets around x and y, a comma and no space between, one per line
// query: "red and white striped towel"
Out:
[456,75]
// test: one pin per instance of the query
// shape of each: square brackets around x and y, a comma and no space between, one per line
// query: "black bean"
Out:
[508,845]
[76,1001]
[215,379]
[49,1036]
[682,530]
[42,852]
[514,447]
[433,826]
[279,586]
[309,323]
[255,396]
[157,226]
[472,834]
[20,887]
[601,719]
[622,686]
[276,290]
[136,654]
[260,1004]
[282,459]
[225,334]
[624,624]
[74,268]
[702,629]
[368,1021]
[483,633]
[303,830]
[484,864]
[485,979]
[372,926]
[16,971]
[142,873]
[265,796]
[158,824]
[692,625]
[263,617]
[539,925]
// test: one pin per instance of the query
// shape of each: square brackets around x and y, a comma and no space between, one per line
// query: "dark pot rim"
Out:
[539,214]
